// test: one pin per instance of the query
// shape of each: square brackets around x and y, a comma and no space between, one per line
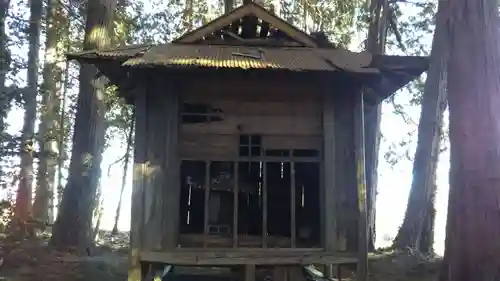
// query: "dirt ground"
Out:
[34,260]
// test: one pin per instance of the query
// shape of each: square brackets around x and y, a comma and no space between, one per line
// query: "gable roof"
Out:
[250,9]
[394,71]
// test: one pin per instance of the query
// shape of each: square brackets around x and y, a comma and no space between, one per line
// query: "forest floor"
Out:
[34,260]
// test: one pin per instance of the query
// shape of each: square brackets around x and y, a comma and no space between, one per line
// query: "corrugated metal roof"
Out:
[244,57]
[124,52]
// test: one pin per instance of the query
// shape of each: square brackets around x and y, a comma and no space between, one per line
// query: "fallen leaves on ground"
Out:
[34,260]
[403,266]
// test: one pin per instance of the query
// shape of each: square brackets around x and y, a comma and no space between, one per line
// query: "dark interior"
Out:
[252,176]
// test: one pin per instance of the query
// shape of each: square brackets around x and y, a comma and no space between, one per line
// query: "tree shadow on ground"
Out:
[34,260]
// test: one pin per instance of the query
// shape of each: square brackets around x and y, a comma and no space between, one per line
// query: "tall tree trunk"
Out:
[187,16]
[418,220]
[23,206]
[125,170]
[49,125]
[4,68]
[375,44]
[73,227]
[98,212]
[61,135]
[228,6]
[4,61]
[4,52]
[472,247]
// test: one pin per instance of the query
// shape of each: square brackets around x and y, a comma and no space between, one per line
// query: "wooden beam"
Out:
[206,205]
[139,173]
[257,159]
[293,206]
[359,141]
[252,42]
[170,184]
[231,256]
[264,204]
[249,272]
[250,9]
[282,25]
[236,196]
[330,192]
[214,25]
[162,171]
[279,273]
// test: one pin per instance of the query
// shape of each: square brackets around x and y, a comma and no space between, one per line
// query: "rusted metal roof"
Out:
[394,71]
[117,53]
[235,57]
[244,57]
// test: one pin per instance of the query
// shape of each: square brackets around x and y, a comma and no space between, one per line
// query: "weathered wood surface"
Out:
[217,146]
[208,146]
[293,207]
[359,140]
[156,188]
[329,193]
[264,206]
[208,257]
[345,171]
[139,173]
[236,194]
[244,241]
[261,125]
[258,116]
[249,272]
[248,89]
[289,122]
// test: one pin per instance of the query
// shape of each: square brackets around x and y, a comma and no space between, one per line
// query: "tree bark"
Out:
[417,229]
[4,52]
[126,161]
[228,6]
[4,68]
[22,211]
[187,16]
[472,246]
[73,227]
[48,130]
[375,44]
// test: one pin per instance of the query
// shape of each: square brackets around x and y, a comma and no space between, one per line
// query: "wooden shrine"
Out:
[249,145]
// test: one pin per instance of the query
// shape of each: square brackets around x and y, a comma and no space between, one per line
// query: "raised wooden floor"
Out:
[241,256]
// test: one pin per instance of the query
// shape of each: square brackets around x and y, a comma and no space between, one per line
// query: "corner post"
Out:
[171,168]
[359,142]
[138,185]
[329,192]
[162,184]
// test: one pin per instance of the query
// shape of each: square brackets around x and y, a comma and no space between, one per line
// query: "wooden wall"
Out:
[345,171]
[288,115]
[156,179]
[285,119]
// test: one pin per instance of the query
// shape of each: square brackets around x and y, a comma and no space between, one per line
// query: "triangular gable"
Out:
[245,11]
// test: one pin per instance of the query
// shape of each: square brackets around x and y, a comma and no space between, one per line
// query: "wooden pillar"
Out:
[264,204]
[162,189]
[236,196]
[249,272]
[206,204]
[171,185]
[329,193]
[293,206]
[138,185]
[359,141]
